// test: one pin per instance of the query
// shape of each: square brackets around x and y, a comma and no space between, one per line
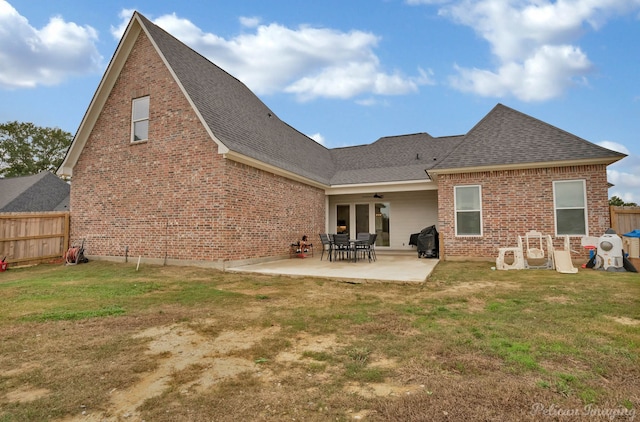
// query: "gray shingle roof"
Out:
[40,192]
[506,136]
[245,125]
[237,117]
[392,158]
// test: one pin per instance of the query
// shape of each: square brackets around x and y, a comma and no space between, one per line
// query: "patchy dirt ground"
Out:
[255,349]
[177,347]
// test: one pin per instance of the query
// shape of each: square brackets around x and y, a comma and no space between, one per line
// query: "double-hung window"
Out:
[468,205]
[140,119]
[570,204]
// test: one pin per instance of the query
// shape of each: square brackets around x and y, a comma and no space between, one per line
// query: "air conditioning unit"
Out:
[609,252]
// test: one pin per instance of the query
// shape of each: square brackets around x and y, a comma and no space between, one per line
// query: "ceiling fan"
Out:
[375,195]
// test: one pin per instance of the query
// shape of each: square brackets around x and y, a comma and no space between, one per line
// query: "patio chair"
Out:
[361,247]
[327,245]
[363,236]
[341,245]
[368,248]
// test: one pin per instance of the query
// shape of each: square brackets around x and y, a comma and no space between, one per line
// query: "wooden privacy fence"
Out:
[624,219]
[33,237]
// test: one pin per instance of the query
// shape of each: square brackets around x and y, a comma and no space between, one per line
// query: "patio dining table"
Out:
[353,247]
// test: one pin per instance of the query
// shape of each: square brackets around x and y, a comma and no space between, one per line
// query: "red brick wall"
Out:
[173,196]
[516,201]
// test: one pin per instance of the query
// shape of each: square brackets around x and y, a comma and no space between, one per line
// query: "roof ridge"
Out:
[147,22]
[404,134]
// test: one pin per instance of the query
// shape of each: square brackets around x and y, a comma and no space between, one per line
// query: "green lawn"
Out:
[103,340]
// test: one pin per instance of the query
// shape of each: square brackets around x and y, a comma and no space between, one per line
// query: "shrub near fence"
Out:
[27,238]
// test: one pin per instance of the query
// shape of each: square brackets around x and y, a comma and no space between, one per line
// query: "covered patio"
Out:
[400,267]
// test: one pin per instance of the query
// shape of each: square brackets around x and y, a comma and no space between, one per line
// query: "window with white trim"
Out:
[468,205]
[140,119]
[570,205]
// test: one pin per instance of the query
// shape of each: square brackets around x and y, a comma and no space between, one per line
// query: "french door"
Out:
[361,218]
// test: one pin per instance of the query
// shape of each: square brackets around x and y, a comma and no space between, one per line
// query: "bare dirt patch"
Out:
[178,347]
[26,395]
[558,299]
[382,389]
[625,320]
[308,343]
[24,368]
[471,287]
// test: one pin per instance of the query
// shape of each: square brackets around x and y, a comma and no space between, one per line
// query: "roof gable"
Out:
[508,137]
[237,120]
[236,116]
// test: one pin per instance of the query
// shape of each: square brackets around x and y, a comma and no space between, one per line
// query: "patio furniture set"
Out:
[340,246]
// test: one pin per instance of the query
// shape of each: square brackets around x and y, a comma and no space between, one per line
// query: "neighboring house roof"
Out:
[246,130]
[41,192]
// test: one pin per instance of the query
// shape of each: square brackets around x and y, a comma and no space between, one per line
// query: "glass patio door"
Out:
[362,219]
[342,219]
[382,223]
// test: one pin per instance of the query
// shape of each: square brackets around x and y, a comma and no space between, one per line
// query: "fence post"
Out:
[67,225]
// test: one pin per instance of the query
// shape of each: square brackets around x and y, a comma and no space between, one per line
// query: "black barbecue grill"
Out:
[426,241]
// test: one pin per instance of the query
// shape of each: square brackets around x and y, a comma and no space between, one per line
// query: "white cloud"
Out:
[318,138]
[614,146]
[533,42]
[30,57]
[371,101]
[250,22]
[311,62]
[545,74]
[347,80]
[624,174]
[125,16]
[626,185]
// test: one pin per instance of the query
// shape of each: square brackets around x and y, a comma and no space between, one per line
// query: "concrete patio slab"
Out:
[389,267]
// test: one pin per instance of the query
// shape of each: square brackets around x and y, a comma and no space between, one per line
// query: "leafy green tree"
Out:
[618,202]
[27,149]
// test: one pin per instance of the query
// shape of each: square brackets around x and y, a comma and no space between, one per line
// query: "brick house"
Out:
[179,162]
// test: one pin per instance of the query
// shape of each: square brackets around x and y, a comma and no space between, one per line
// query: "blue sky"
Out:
[350,72]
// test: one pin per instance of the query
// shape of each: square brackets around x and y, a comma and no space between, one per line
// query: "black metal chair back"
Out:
[371,246]
[341,245]
[326,245]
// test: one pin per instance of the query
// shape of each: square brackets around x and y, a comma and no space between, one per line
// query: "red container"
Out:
[3,266]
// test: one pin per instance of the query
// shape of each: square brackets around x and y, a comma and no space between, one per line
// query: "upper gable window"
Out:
[468,205]
[140,119]
[570,203]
